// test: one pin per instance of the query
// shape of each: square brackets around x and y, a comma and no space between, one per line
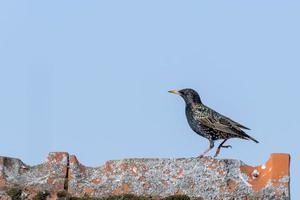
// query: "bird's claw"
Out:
[219,149]
[226,146]
[202,156]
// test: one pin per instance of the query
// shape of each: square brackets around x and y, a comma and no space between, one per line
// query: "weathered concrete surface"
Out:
[196,177]
[50,175]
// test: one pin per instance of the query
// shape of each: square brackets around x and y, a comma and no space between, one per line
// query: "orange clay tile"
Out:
[272,171]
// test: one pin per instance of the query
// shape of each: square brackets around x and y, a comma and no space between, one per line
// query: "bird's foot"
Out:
[219,149]
[202,156]
[226,146]
[216,154]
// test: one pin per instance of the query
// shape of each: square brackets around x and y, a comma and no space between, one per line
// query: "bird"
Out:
[210,124]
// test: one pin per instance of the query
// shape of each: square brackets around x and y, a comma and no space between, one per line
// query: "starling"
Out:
[208,123]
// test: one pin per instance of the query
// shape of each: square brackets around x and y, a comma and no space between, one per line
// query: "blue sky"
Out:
[91,78]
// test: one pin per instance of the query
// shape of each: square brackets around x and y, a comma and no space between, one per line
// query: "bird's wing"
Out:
[218,122]
[233,123]
[217,125]
[214,120]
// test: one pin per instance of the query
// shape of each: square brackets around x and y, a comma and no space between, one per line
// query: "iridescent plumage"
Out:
[208,123]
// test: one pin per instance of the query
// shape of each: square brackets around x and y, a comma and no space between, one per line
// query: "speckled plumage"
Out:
[208,123]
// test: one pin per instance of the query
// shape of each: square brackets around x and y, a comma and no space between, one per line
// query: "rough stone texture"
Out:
[196,177]
[50,175]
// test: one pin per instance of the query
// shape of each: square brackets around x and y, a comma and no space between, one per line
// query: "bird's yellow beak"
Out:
[175,92]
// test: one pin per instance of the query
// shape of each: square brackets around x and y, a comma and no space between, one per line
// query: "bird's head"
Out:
[190,96]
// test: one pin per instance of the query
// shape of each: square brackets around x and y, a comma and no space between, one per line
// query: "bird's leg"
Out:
[211,145]
[221,146]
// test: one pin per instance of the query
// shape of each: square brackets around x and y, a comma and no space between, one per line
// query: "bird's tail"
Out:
[247,137]
[251,138]
[254,140]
